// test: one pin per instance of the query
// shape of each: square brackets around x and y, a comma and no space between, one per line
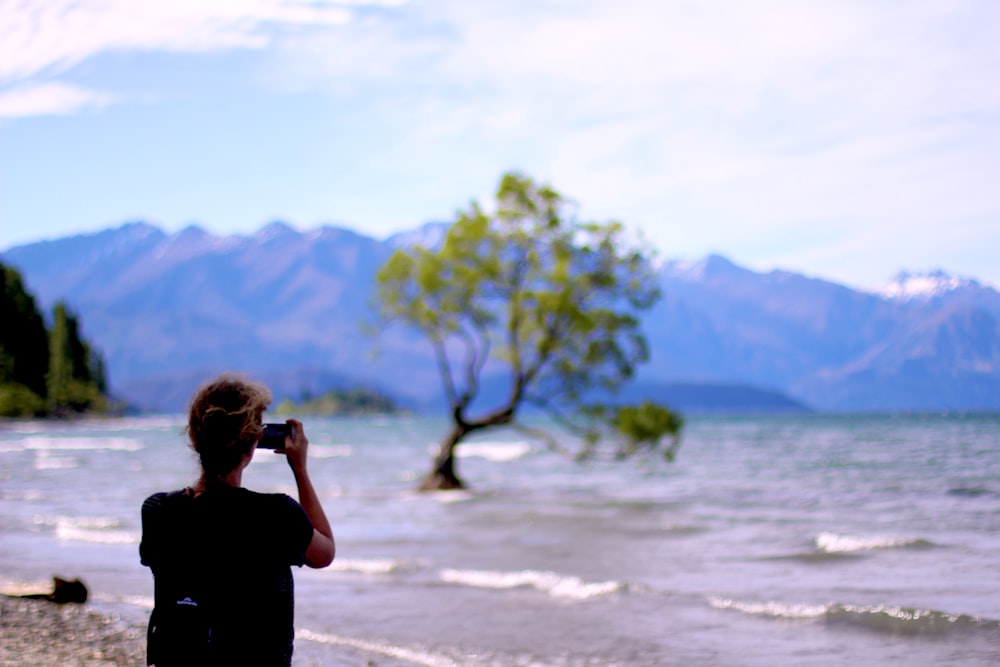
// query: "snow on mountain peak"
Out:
[430,235]
[699,270]
[685,269]
[275,230]
[910,286]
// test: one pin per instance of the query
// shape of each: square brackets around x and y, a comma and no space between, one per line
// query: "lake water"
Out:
[807,540]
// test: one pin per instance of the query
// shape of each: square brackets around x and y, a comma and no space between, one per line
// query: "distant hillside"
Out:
[339,402]
[291,307]
[704,398]
[925,342]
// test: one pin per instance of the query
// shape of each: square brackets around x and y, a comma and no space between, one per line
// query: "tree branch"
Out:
[444,368]
[544,436]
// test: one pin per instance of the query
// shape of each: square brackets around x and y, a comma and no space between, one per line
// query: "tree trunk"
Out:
[442,476]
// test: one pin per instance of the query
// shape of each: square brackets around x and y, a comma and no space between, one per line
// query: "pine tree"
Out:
[76,376]
[24,350]
[60,365]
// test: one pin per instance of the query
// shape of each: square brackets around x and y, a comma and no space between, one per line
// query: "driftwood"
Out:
[63,591]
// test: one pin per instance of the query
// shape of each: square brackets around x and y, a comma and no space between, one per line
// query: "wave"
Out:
[888,619]
[907,620]
[834,543]
[96,530]
[88,522]
[772,609]
[45,461]
[971,491]
[551,583]
[76,444]
[814,557]
[367,566]
[416,656]
[69,534]
[495,451]
[330,451]
[145,602]
[447,497]
[144,422]
[28,426]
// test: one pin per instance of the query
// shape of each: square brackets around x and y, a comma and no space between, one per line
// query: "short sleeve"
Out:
[297,530]
[151,530]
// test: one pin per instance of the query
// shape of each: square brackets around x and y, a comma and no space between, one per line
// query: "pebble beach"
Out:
[38,632]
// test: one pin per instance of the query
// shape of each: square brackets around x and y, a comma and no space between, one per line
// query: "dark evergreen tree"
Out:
[76,381]
[60,366]
[24,349]
[44,370]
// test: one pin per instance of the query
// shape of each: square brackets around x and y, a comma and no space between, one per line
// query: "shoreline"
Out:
[39,633]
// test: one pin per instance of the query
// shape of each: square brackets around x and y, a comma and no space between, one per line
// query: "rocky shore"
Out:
[40,633]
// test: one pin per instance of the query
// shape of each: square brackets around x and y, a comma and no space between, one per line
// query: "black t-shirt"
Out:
[223,559]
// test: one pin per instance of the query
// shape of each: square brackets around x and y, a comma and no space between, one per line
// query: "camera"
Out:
[274,436]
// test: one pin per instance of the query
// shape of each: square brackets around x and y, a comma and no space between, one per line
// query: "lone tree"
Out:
[550,302]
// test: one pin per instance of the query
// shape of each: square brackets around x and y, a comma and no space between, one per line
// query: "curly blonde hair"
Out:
[225,422]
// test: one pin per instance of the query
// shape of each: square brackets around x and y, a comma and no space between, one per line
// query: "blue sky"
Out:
[843,139]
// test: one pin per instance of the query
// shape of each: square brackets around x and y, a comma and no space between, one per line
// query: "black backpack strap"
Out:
[180,627]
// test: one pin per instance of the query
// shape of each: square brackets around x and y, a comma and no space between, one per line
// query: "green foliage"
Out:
[24,350]
[16,400]
[76,375]
[60,365]
[551,300]
[44,371]
[645,426]
[340,402]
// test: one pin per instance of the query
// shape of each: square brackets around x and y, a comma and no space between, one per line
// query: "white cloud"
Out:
[47,99]
[710,123]
[822,128]
[43,35]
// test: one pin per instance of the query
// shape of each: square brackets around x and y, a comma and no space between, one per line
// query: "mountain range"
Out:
[296,309]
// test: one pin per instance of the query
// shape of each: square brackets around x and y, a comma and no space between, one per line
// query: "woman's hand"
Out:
[296,446]
[322,547]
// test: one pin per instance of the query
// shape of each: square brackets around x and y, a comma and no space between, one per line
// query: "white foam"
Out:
[95,530]
[89,522]
[43,443]
[551,583]
[140,601]
[45,461]
[329,451]
[834,543]
[497,452]
[771,608]
[27,427]
[897,612]
[451,496]
[70,534]
[415,656]
[366,566]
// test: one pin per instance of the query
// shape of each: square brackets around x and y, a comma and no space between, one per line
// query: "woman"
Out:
[221,554]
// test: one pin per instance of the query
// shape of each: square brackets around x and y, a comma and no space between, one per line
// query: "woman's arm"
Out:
[322,548]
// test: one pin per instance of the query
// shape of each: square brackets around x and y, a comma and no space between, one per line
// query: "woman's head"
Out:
[225,422]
